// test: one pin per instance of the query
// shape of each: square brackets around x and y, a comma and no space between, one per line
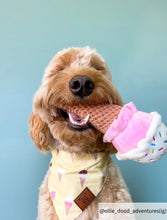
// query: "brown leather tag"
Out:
[84,198]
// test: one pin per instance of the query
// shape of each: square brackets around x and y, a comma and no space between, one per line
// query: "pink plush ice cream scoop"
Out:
[130,127]
[138,135]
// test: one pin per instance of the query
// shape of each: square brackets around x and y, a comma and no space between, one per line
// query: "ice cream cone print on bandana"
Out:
[95,156]
[52,195]
[68,203]
[60,173]
[82,176]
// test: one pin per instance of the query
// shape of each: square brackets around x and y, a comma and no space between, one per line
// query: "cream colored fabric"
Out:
[70,175]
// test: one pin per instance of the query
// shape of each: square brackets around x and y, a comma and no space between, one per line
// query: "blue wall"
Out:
[132,37]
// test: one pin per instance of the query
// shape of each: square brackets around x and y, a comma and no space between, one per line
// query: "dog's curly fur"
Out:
[49,130]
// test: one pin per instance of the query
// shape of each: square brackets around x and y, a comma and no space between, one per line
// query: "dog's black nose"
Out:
[81,86]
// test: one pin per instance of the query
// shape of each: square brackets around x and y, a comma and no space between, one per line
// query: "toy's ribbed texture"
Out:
[100,116]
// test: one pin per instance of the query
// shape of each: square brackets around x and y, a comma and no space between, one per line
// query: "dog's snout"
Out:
[81,86]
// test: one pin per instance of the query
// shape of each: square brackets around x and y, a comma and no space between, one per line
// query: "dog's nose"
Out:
[81,86]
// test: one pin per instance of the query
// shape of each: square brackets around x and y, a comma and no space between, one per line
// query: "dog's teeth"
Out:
[83,122]
[86,119]
[71,119]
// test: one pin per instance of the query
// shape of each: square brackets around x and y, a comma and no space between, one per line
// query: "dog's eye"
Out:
[99,68]
[61,69]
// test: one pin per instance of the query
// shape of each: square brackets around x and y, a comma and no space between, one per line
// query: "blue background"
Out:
[131,36]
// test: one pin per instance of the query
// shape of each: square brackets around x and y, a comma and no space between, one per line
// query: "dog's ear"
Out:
[39,132]
[112,149]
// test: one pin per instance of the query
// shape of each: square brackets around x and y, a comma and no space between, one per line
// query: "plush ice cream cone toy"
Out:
[136,135]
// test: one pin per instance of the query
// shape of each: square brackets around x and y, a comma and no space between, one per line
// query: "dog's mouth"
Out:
[74,121]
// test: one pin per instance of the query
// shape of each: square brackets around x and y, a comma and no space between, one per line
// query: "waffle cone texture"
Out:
[101,116]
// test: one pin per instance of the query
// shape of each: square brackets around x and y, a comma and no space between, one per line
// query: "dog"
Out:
[75,76]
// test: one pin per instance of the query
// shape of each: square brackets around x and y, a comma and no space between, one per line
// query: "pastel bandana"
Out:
[72,176]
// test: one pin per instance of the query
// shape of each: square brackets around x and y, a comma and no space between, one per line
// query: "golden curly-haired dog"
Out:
[74,75]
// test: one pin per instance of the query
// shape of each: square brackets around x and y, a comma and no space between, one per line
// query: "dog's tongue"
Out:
[75,116]
[101,116]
